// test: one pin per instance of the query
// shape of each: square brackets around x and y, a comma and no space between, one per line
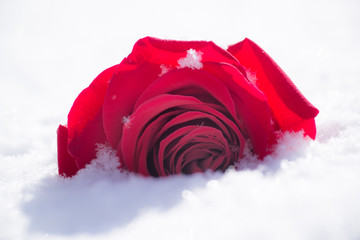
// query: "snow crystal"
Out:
[251,76]
[192,60]
[106,158]
[106,163]
[164,69]
[126,120]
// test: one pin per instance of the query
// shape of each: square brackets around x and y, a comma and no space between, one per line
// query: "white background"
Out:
[51,50]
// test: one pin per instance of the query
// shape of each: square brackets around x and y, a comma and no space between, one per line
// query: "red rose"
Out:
[175,107]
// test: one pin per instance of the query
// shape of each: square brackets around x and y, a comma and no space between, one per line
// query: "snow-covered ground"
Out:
[51,50]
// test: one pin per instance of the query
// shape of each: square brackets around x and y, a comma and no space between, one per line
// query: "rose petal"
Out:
[197,151]
[221,162]
[85,126]
[166,142]
[201,140]
[176,81]
[84,144]
[128,82]
[289,107]
[217,111]
[195,115]
[192,168]
[168,52]
[206,163]
[147,141]
[66,163]
[141,68]
[141,117]
[207,135]
[209,113]
[251,106]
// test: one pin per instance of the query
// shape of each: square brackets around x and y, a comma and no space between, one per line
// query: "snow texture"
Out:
[126,120]
[192,60]
[251,76]
[50,51]
[164,69]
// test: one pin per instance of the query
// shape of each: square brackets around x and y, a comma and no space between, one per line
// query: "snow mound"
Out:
[192,60]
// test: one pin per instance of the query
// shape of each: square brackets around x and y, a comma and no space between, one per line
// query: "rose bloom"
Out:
[175,107]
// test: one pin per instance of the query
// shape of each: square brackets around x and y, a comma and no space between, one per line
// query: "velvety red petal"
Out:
[66,163]
[162,154]
[197,151]
[192,168]
[201,85]
[85,119]
[251,106]
[289,107]
[206,162]
[148,139]
[128,82]
[141,68]
[198,137]
[168,52]
[195,114]
[308,126]
[204,110]
[140,118]
[83,145]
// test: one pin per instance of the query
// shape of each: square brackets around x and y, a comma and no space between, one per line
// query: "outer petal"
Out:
[291,110]
[85,120]
[168,52]
[141,68]
[66,163]
[251,106]
[128,82]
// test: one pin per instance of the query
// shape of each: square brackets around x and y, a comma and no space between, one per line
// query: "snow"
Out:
[106,161]
[126,120]
[251,76]
[50,51]
[164,69]
[192,60]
